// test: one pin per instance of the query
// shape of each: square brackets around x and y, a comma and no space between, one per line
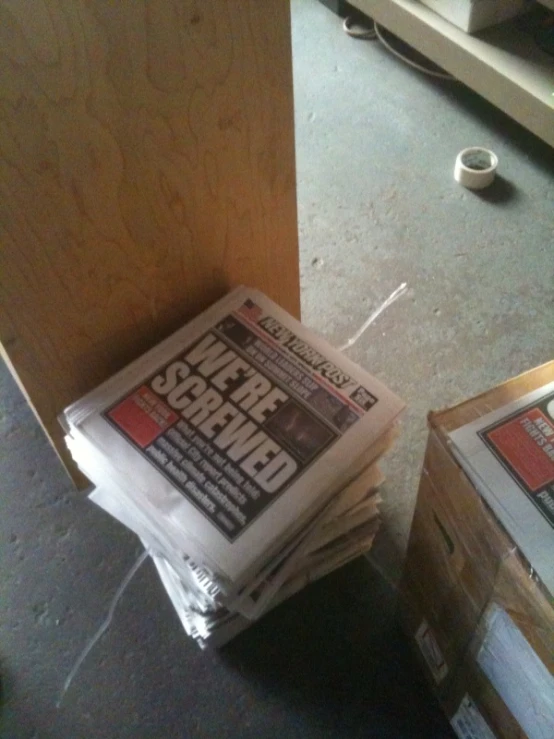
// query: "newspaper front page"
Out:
[249,417]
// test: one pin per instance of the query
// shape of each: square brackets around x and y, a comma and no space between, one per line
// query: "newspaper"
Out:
[509,456]
[216,629]
[232,433]
[341,532]
[346,511]
[108,495]
[325,529]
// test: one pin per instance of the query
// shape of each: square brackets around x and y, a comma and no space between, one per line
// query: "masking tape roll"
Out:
[475,168]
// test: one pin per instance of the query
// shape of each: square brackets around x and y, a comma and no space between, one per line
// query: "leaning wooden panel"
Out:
[146,166]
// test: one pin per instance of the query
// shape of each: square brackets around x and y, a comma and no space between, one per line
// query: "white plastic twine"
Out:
[400,290]
[104,626]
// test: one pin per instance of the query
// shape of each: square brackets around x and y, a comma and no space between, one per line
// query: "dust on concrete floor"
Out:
[378,206]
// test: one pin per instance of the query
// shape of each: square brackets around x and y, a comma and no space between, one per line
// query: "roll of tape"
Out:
[475,167]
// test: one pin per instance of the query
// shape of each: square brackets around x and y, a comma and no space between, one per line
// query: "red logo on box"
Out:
[523,453]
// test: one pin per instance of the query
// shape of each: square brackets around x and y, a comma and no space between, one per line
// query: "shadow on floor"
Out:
[337,651]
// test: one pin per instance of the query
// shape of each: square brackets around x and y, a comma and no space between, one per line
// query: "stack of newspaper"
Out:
[243,452]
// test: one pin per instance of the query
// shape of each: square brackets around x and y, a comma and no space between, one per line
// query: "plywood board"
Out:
[146,166]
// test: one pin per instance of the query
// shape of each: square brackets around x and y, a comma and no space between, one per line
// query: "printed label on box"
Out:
[517,674]
[468,723]
[431,652]
[524,445]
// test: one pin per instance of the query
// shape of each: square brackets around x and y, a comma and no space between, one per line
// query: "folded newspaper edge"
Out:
[356,504]
[346,531]
[229,624]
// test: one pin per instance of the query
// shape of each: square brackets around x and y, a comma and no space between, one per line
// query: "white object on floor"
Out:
[475,168]
[400,290]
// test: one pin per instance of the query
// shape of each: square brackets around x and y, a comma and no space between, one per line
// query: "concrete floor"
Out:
[376,144]
[378,206]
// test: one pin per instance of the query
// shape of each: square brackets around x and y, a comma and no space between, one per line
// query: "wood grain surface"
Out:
[146,166]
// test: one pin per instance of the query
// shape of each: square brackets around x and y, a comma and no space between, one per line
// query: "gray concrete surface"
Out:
[329,663]
[377,206]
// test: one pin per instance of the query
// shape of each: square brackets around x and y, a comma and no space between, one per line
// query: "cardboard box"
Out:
[508,670]
[453,556]
[469,599]
[474,15]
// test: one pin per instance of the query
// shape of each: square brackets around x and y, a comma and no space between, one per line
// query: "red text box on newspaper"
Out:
[143,416]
